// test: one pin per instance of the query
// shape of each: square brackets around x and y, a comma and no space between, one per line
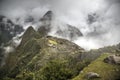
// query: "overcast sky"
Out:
[74,12]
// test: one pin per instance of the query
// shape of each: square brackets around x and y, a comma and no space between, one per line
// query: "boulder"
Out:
[92,75]
[112,59]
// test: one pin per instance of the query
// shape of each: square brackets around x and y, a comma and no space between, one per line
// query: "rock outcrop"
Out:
[92,75]
[113,59]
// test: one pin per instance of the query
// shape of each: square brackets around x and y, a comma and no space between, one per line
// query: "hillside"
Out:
[43,57]
[36,53]
[40,56]
[105,70]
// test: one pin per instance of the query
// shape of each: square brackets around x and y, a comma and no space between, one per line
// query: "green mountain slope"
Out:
[37,52]
[105,70]
[43,57]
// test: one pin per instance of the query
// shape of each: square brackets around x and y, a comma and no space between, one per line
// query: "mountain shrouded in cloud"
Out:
[63,30]
[59,40]
[98,20]
[9,39]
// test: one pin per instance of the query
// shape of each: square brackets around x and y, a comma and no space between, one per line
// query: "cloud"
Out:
[102,32]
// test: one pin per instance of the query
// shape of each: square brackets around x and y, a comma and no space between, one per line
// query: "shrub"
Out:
[55,70]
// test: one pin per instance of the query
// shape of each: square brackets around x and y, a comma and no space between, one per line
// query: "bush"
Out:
[55,70]
[25,76]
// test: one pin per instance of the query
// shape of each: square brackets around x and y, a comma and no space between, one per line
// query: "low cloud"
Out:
[103,31]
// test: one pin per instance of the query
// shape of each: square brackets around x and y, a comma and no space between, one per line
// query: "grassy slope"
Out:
[106,71]
[35,52]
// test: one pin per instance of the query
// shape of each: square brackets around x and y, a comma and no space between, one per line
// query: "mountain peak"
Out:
[29,33]
[46,23]
[48,16]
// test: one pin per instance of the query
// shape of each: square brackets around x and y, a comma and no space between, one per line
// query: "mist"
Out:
[98,20]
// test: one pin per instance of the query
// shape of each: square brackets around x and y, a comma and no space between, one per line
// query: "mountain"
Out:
[8,30]
[69,31]
[29,19]
[46,20]
[40,56]
[36,52]
[48,16]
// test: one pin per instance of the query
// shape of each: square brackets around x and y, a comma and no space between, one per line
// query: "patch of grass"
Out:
[52,42]
[105,70]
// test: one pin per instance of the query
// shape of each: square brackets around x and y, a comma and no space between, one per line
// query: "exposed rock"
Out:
[46,23]
[92,75]
[113,59]
[47,16]
[70,31]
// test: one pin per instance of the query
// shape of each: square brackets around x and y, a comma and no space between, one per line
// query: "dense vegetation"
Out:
[105,70]
[45,57]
